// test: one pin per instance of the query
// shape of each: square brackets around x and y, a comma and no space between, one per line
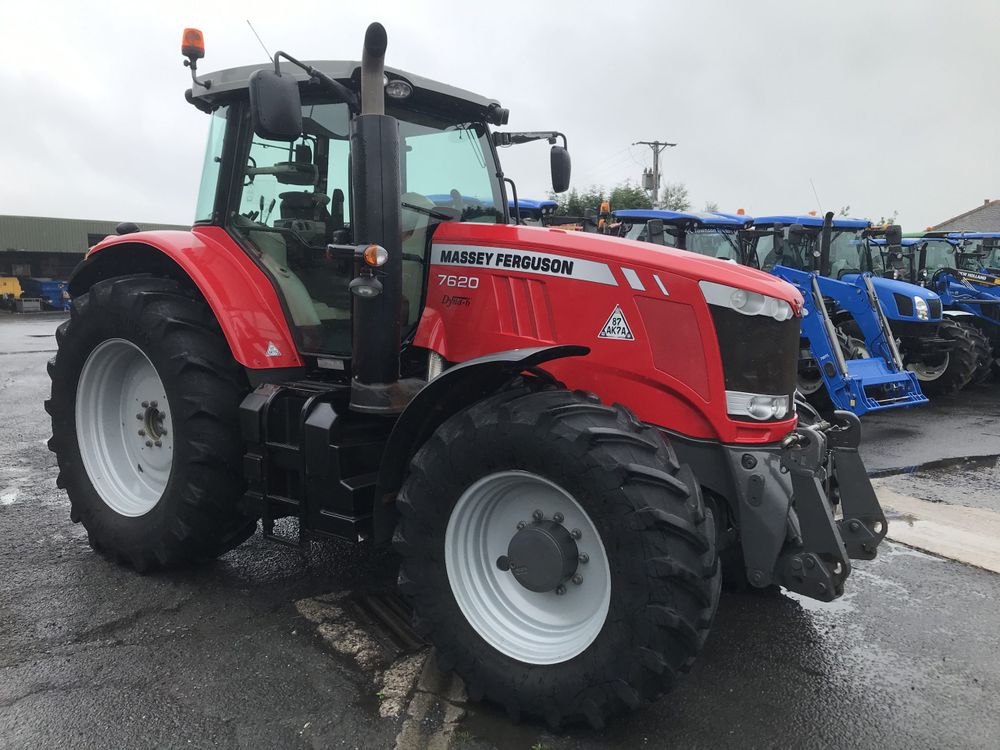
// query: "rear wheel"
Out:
[144,407]
[557,555]
[948,377]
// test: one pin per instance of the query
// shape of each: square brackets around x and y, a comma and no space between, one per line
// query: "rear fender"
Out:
[240,295]
[455,389]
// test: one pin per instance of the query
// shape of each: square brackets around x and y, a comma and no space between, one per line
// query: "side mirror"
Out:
[561,168]
[654,232]
[275,106]
[894,235]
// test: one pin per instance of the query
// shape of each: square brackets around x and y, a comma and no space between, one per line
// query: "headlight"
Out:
[920,305]
[744,302]
[757,405]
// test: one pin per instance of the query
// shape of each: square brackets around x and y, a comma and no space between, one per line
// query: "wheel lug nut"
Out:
[149,443]
[503,563]
[585,558]
[141,433]
[153,404]
[139,416]
[162,431]
[145,404]
[578,579]
[558,517]
[521,525]
[537,515]
[576,533]
[158,444]
[560,589]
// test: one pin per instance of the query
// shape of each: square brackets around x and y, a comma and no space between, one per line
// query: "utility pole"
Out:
[657,147]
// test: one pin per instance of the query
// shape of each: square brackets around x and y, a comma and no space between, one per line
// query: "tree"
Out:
[575,203]
[675,197]
[628,195]
[711,207]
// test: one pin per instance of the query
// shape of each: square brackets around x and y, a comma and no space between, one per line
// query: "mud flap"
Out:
[863,526]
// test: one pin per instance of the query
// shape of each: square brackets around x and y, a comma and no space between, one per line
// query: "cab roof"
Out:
[973,235]
[231,81]
[531,203]
[808,220]
[684,217]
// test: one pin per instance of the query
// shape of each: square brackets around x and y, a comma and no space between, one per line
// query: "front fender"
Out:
[240,295]
[455,389]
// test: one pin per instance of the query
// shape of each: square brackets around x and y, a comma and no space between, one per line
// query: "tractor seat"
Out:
[300,205]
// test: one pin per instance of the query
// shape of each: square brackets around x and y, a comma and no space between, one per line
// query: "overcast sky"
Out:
[881,106]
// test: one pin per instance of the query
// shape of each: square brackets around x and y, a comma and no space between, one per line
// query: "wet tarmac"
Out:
[95,655]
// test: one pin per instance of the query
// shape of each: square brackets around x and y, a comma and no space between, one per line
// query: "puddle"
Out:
[966,481]
[8,496]
[968,463]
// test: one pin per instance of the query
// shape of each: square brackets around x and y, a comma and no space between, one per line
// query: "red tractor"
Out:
[565,435]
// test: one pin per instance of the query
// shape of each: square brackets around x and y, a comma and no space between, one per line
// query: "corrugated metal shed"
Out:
[41,234]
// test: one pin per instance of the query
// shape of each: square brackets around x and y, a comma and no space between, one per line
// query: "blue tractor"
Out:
[533,212]
[860,373]
[962,269]
[941,352]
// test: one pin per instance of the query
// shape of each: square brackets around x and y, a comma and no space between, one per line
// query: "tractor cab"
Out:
[802,250]
[532,212]
[286,199]
[977,251]
[715,235]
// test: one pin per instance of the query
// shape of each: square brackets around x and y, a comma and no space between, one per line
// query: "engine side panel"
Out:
[651,335]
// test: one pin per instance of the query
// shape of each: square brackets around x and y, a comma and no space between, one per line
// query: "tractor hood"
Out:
[608,256]
[898,298]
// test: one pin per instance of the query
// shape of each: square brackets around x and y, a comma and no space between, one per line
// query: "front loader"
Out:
[929,345]
[559,432]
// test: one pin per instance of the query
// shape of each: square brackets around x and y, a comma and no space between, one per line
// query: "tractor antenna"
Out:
[262,45]
[819,206]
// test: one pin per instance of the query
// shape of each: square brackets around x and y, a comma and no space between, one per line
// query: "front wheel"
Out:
[557,555]
[951,371]
[145,424]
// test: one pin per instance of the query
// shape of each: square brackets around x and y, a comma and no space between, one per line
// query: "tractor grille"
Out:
[904,304]
[934,308]
[759,354]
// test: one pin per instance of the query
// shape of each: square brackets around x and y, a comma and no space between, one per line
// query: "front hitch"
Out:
[863,526]
[816,562]
[826,469]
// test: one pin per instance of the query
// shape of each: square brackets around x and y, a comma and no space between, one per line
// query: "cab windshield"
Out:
[847,251]
[715,242]
[295,200]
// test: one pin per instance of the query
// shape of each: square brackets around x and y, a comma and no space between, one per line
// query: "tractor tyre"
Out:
[145,424]
[963,361]
[557,555]
[984,354]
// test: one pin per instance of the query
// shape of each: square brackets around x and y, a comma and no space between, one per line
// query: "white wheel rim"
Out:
[532,627]
[926,373]
[123,427]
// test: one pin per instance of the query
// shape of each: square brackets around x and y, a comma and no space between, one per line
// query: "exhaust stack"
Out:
[377,219]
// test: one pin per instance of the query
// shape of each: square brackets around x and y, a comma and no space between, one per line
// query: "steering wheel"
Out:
[252,163]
